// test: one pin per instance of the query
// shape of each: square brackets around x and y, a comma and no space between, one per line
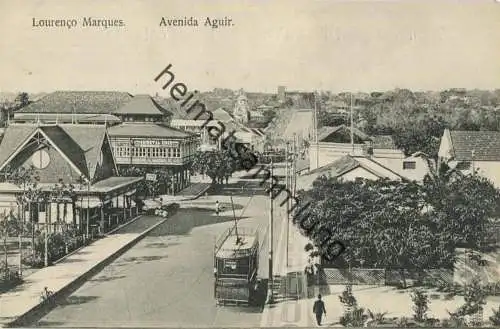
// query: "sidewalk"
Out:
[290,312]
[23,302]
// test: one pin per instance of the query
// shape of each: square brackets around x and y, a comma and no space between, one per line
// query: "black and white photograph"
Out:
[249,163]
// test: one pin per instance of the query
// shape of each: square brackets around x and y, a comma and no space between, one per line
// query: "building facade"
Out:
[77,157]
[472,151]
[335,143]
[155,146]
[139,129]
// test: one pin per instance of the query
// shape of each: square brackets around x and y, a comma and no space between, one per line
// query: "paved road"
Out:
[167,278]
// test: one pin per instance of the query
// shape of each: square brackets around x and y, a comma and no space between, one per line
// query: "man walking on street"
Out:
[319,309]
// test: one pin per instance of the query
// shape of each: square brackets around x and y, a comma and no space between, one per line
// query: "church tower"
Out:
[242,110]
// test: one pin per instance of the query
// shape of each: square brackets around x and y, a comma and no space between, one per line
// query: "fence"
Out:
[357,276]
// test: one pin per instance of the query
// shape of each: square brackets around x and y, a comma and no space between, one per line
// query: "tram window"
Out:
[229,265]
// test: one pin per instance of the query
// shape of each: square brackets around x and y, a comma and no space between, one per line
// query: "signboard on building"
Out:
[151,177]
[155,142]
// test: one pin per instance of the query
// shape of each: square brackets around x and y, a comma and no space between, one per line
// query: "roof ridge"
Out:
[383,166]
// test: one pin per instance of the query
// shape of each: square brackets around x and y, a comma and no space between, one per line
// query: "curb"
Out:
[110,232]
[41,309]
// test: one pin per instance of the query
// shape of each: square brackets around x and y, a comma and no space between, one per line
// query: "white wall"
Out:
[487,169]
[358,173]
[329,152]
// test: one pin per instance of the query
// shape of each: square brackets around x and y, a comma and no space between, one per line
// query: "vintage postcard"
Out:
[246,164]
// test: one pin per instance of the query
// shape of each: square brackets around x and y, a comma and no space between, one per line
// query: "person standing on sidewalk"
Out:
[217,207]
[319,309]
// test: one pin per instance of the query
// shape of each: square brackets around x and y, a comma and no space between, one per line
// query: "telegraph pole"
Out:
[271,234]
[288,185]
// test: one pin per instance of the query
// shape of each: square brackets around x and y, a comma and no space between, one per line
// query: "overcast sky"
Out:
[304,45]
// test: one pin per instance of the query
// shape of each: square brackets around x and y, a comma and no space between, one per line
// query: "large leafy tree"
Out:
[218,164]
[398,225]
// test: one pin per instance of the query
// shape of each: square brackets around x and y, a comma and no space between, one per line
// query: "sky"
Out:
[303,45]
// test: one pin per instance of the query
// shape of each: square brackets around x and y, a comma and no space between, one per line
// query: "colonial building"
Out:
[349,168]
[140,132]
[337,142]
[79,156]
[472,151]
[153,146]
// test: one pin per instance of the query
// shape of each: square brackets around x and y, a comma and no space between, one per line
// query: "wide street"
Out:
[167,278]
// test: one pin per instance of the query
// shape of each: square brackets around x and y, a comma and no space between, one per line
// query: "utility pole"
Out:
[294,165]
[271,234]
[48,213]
[288,185]
[88,211]
[316,131]
[352,128]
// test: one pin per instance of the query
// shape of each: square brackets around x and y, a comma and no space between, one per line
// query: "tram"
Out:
[236,261]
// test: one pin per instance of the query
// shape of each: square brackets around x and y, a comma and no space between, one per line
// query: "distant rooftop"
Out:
[103,102]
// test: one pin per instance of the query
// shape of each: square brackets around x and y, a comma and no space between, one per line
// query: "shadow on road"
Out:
[187,219]
[50,324]
[241,188]
[76,300]
[107,278]
[138,260]
[161,244]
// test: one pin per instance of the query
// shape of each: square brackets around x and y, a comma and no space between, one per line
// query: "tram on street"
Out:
[236,261]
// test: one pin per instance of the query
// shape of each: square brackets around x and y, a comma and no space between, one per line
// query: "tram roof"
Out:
[230,249]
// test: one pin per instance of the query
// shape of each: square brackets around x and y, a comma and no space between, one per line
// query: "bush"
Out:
[59,245]
[420,305]
[495,318]
[404,322]
[475,298]
[9,278]
[354,318]
[36,261]
[348,299]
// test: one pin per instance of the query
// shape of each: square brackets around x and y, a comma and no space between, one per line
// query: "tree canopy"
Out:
[387,224]
[218,164]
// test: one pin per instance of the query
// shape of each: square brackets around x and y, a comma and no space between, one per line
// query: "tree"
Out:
[382,223]
[463,207]
[22,99]
[9,226]
[218,165]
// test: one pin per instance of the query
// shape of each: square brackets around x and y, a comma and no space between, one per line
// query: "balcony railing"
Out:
[151,161]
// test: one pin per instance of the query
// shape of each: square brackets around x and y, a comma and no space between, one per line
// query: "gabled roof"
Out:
[79,102]
[80,144]
[485,144]
[142,104]
[147,130]
[325,132]
[346,164]
[68,146]
[14,136]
